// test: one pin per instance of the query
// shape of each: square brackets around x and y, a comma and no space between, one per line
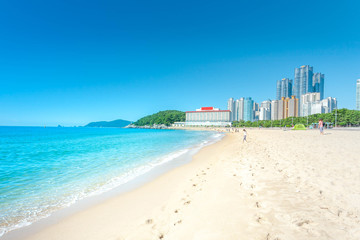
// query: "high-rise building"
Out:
[274,109]
[248,109]
[286,88]
[256,111]
[311,103]
[265,110]
[239,108]
[292,106]
[358,94]
[231,107]
[303,81]
[328,104]
[318,84]
[296,85]
[305,103]
[280,109]
[283,88]
[278,89]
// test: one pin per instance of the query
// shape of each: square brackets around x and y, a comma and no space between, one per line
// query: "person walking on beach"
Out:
[245,133]
[321,126]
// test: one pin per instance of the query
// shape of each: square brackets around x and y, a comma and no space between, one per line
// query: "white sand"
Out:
[279,185]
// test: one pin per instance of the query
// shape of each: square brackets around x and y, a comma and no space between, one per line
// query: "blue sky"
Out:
[73,62]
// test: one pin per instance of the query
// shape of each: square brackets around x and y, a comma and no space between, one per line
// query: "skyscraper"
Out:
[358,95]
[278,89]
[231,107]
[248,109]
[303,81]
[274,109]
[284,88]
[318,84]
[265,110]
[292,105]
[239,109]
[296,85]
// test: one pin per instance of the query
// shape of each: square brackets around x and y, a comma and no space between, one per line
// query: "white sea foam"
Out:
[36,214]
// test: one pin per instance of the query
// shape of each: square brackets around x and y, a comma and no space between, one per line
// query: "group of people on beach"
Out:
[321,128]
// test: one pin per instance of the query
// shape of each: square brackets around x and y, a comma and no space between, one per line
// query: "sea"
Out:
[43,170]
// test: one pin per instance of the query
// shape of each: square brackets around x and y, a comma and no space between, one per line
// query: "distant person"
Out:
[245,133]
[321,126]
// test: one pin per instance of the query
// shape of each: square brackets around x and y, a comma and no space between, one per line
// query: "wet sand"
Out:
[278,185]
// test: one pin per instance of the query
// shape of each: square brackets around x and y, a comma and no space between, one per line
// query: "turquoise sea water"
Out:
[46,169]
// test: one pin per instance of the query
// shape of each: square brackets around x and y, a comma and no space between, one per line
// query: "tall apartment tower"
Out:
[278,89]
[358,94]
[303,81]
[231,107]
[265,110]
[239,109]
[292,105]
[318,84]
[274,109]
[283,88]
[248,109]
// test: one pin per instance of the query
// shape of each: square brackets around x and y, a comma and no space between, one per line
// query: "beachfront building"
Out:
[328,104]
[256,111]
[318,84]
[274,109]
[291,107]
[303,81]
[208,116]
[265,110]
[311,103]
[283,88]
[231,107]
[284,108]
[237,109]
[280,109]
[305,103]
[248,109]
[358,94]
[240,109]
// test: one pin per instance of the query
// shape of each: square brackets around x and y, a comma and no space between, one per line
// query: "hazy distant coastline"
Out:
[116,123]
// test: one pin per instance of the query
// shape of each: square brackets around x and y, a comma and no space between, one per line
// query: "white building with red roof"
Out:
[208,116]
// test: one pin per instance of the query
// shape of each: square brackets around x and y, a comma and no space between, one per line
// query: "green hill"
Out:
[116,123]
[167,118]
[344,117]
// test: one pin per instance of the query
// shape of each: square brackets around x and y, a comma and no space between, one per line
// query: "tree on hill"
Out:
[163,117]
[116,123]
[345,117]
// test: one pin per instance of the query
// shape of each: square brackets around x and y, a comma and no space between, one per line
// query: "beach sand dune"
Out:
[279,185]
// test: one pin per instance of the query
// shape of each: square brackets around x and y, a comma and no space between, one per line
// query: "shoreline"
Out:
[92,200]
[278,185]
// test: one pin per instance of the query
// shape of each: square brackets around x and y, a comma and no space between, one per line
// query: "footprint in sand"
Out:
[149,221]
[178,222]
[187,202]
[303,222]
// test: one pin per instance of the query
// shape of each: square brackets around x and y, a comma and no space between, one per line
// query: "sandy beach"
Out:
[278,185]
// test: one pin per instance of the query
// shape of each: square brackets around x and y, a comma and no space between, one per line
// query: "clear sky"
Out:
[73,62]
